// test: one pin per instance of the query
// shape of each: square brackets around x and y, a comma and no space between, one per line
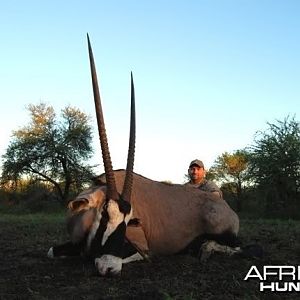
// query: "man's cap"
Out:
[197,162]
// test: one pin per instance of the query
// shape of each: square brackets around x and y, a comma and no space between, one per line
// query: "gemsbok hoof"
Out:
[50,253]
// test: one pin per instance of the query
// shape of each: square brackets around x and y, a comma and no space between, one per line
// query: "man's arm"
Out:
[214,189]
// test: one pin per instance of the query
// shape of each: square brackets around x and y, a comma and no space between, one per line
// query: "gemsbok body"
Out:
[127,217]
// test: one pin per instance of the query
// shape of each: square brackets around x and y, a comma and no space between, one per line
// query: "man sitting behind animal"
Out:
[197,174]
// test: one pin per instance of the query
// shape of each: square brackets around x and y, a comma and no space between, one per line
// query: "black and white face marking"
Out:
[106,239]
[116,215]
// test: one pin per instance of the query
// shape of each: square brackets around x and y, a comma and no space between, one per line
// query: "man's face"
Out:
[196,173]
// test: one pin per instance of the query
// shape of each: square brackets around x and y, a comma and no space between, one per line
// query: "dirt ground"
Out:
[26,272]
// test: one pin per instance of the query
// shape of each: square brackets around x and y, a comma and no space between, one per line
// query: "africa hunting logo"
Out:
[276,278]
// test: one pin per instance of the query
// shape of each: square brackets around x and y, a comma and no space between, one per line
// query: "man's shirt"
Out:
[206,186]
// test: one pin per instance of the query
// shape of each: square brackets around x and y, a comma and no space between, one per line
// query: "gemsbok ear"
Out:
[76,205]
[110,178]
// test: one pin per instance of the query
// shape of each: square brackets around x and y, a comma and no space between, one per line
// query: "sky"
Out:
[208,74]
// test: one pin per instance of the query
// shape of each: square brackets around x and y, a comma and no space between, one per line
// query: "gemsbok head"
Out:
[110,226]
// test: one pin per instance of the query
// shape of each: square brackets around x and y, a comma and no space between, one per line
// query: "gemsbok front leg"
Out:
[65,250]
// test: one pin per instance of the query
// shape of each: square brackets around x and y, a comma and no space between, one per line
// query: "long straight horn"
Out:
[126,193]
[110,179]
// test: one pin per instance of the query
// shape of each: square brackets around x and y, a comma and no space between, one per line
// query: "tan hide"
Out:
[173,215]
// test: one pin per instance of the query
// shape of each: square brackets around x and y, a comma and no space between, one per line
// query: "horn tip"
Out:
[88,39]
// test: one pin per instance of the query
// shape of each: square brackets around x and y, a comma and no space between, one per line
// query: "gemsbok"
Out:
[127,217]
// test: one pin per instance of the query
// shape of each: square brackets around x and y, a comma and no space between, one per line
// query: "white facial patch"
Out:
[108,264]
[94,228]
[115,218]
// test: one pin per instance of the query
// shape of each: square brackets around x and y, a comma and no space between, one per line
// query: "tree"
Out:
[231,170]
[51,150]
[275,162]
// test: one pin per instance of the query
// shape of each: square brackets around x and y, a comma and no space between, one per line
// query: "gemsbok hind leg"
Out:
[221,225]
[210,247]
